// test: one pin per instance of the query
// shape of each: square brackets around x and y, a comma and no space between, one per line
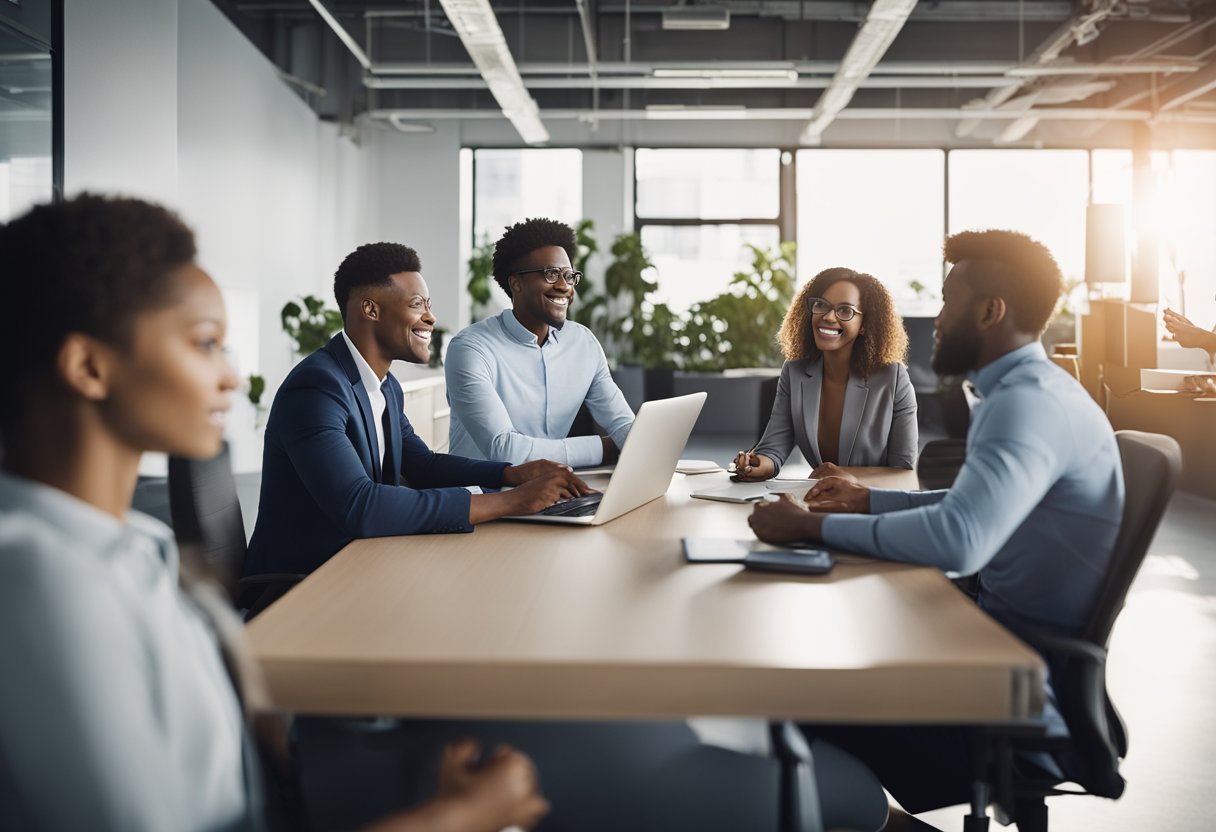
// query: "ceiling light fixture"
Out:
[696,18]
[478,28]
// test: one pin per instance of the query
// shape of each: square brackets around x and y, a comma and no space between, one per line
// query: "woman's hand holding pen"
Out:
[753,467]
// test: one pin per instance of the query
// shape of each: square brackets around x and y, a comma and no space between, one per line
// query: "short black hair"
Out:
[1011,266]
[372,264]
[91,264]
[525,237]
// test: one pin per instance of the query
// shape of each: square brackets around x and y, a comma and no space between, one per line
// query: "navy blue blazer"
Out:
[321,480]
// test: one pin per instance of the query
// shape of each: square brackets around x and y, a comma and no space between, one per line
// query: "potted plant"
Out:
[640,334]
[310,326]
[739,327]
[481,276]
[255,389]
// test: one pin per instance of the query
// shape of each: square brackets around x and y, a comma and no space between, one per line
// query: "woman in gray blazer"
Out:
[844,396]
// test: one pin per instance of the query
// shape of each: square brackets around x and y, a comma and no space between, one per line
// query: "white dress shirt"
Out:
[116,712]
[372,385]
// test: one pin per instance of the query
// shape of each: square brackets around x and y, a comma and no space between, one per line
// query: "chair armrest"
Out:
[257,592]
[1053,646]
[270,578]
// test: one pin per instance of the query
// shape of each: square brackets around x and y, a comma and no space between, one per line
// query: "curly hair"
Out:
[92,264]
[1011,266]
[523,238]
[884,341]
[372,264]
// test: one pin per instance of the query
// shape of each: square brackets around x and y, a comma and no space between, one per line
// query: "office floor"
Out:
[1162,675]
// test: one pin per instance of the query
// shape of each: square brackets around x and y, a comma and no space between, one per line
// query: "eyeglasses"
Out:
[552,273]
[421,303]
[844,311]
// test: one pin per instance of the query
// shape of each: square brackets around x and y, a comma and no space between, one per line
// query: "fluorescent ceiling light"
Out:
[740,73]
[696,18]
[478,28]
[882,24]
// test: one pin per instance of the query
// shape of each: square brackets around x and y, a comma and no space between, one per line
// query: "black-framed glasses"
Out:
[844,311]
[552,273]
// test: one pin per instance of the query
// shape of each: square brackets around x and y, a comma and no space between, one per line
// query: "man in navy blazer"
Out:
[341,460]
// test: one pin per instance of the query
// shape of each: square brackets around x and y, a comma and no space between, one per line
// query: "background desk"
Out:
[522,620]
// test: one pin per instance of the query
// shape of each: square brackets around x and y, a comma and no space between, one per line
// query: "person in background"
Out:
[1035,510]
[1188,334]
[844,397]
[516,381]
[118,711]
[341,459]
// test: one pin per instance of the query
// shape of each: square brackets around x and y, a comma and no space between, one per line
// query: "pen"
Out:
[732,468]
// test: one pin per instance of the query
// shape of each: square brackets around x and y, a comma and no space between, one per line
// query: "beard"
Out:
[957,351]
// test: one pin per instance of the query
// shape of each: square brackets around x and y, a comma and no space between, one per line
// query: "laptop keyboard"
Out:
[577,507]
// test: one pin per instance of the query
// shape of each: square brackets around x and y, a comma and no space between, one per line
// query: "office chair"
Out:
[939,463]
[207,516]
[1097,739]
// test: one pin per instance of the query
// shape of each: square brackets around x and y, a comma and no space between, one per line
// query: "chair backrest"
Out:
[206,512]
[1152,464]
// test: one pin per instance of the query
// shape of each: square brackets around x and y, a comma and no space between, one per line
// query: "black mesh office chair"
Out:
[1098,738]
[207,516]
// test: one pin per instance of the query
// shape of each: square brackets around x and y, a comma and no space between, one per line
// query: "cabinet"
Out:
[426,406]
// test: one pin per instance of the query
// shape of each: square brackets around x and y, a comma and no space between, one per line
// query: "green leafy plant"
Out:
[638,330]
[589,308]
[481,275]
[311,325]
[739,327]
[257,388]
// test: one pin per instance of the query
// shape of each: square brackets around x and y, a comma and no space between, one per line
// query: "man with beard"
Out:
[516,381]
[1035,509]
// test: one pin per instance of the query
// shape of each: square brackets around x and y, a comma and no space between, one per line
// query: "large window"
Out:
[1042,193]
[27,89]
[513,185]
[1181,214]
[876,211]
[696,212]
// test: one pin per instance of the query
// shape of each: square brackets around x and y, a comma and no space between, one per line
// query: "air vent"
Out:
[698,18]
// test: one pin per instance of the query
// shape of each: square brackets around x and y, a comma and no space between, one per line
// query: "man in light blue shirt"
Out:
[516,381]
[1036,508]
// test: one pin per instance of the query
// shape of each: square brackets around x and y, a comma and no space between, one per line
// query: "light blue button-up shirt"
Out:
[513,400]
[1035,509]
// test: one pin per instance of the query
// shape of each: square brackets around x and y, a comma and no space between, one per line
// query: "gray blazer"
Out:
[878,426]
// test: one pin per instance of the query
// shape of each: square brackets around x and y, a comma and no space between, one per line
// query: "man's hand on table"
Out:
[536,486]
[515,475]
[784,521]
[839,495]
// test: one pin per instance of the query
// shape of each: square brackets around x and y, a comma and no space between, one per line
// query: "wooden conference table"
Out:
[524,620]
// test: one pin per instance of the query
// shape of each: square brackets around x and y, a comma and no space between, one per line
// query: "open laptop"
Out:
[644,470]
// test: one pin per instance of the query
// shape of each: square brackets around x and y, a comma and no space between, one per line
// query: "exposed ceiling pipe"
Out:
[1078,27]
[882,24]
[789,114]
[649,67]
[584,19]
[481,35]
[343,35]
[650,82]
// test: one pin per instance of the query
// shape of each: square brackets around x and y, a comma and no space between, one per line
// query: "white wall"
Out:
[607,198]
[418,177]
[120,97]
[166,100]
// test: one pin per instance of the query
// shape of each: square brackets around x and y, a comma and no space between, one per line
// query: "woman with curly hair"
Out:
[844,396]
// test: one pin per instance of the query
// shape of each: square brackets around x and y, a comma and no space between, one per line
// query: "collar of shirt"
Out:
[76,520]
[987,378]
[366,374]
[520,333]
